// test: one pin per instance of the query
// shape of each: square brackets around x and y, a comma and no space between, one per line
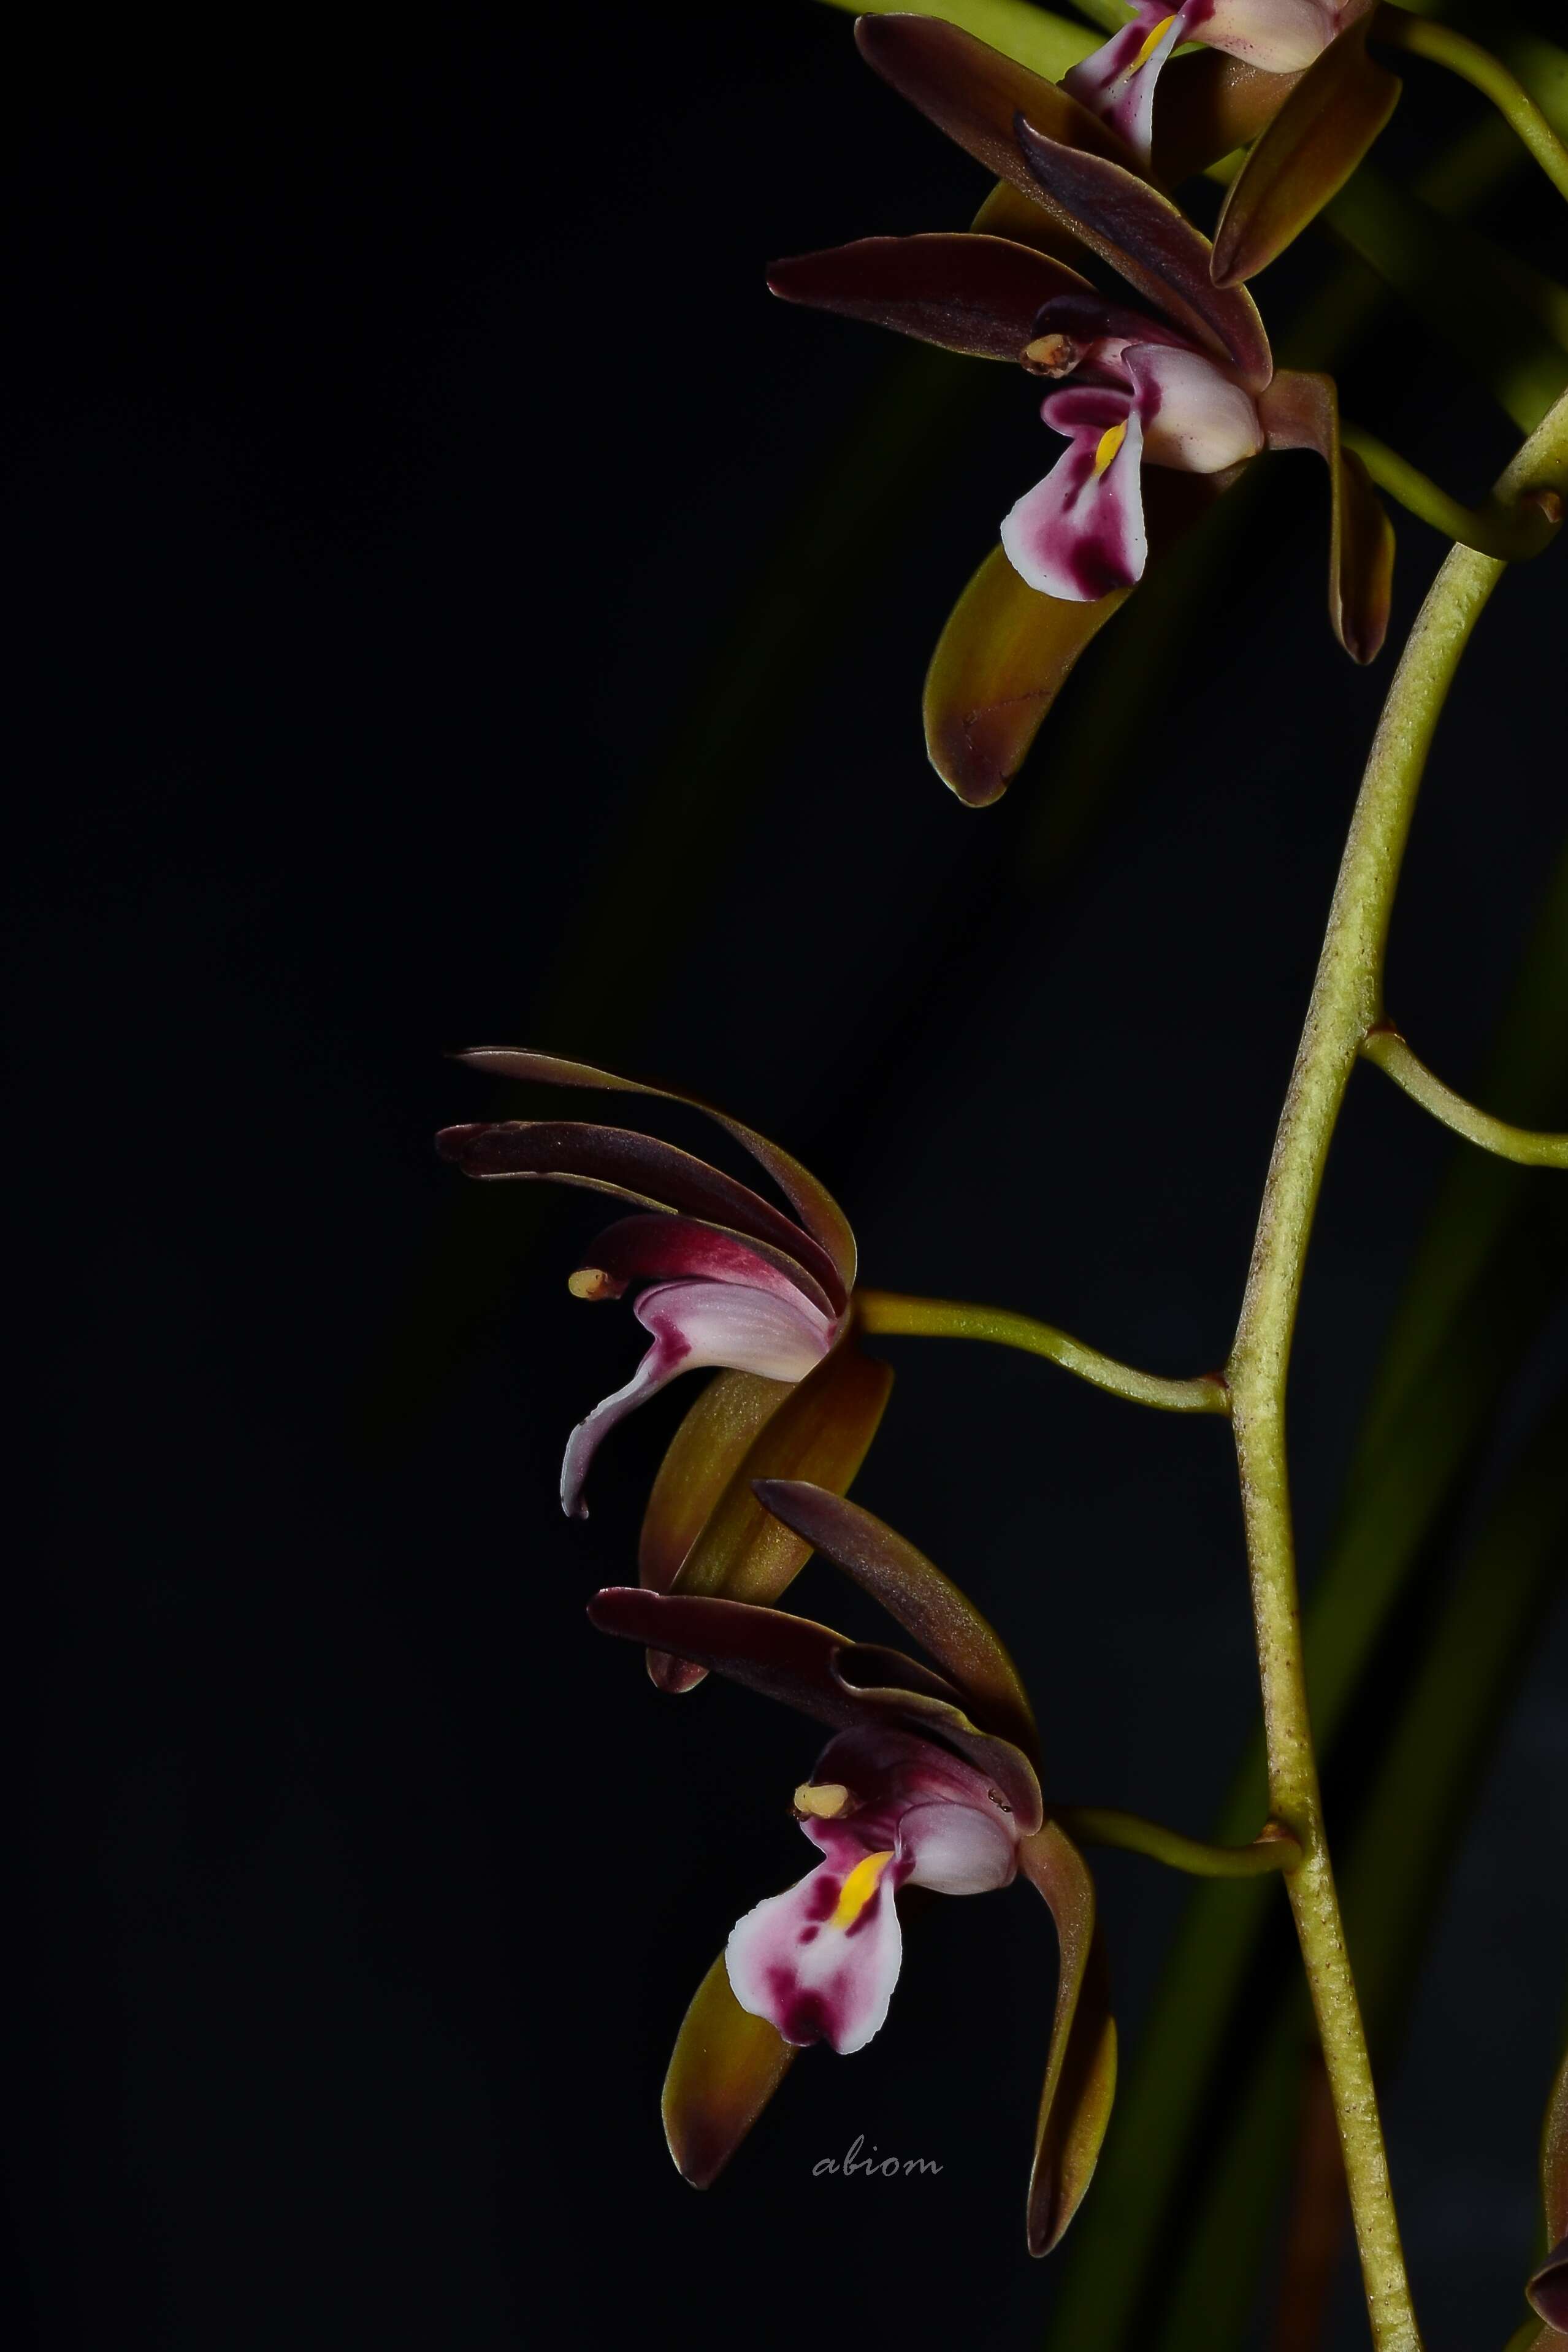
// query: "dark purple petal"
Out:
[966,293]
[849,1684]
[1142,233]
[706,1450]
[664,1248]
[724,2069]
[973,93]
[1081,2069]
[638,1167]
[1300,410]
[1305,155]
[928,1605]
[818,1210]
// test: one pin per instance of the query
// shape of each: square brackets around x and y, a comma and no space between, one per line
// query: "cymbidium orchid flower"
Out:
[732,1282]
[930,1780]
[1178,382]
[1279,37]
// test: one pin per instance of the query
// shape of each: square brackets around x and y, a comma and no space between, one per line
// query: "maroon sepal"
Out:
[809,1667]
[982,295]
[1081,2068]
[1300,410]
[1332,117]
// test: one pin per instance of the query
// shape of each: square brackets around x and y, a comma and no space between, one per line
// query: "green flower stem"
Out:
[1346,1003]
[1511,533]
[1387,1049]
[890,1313]
[1275,1849]
[1421,38]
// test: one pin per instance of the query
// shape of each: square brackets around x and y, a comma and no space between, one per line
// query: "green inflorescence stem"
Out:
[1346,1004]
[1107,1825]
[1526,1145]
[890,1312]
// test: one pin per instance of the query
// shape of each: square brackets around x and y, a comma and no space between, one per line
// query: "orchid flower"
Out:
[1162,397]
[930,1780]
[1279,37]
[730,1282]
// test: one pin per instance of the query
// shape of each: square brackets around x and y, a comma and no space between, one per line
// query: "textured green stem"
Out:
[1346,1003]
[1420,37]
[1107,1825]
[1511,533]
[890,1312]
[1387,1049]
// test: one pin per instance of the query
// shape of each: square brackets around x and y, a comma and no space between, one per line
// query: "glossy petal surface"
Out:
[705,1450]
[1197,417]
[928,1605]
[1305,156]
[966,293]
[629,1166]
[852,1686]
[725,2066]
[1141,233]
[818,1210]
[1079,534]
[1300,410]
[693,1325]
[1081,2070]
[664,1248]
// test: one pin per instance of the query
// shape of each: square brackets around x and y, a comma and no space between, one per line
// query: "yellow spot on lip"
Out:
[1155,37]
[824,1800]
[1111,441]
[858,1888]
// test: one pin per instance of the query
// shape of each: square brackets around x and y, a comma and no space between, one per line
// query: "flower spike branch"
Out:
[1420,36]
[1387,1049]
[886,1313]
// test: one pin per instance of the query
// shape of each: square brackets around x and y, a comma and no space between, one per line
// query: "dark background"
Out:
[398,439]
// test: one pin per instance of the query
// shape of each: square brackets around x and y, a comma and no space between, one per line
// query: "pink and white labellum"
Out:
[1080,533]
[733,1280]
[1118,81]
[884,1809]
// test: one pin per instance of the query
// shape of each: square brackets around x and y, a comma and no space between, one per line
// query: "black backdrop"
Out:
[397,439]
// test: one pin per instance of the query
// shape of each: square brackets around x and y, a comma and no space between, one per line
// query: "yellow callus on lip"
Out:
[858,1888]
[1111,441]
[1155,37]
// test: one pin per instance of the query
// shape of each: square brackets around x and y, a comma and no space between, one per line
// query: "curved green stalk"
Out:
[892,1313]
[1272,1850]
[1387,1048]
[1512,534]
[1346,1004]
[1421,38]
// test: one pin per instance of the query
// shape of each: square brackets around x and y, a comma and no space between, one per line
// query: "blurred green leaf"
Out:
[1046,44]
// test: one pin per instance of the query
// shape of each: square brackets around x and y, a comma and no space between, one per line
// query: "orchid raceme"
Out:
[930,1780]
[731,1282]
[1179,379]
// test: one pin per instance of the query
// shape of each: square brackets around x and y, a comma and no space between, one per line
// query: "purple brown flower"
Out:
[929,1779]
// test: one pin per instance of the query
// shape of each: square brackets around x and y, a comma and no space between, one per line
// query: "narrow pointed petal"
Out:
[818,1210]
[972,92]
[697,1324]
[1300,410]
[1081,2070]
[820,1961]
[1141,233]
[1548,2290]
[1305,156]
[724,2069]
[999,663]
[927,1604]
[632,1167]
[706,1450]
[667,1248]
[849,1684]
[965,293]
[1079,534]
